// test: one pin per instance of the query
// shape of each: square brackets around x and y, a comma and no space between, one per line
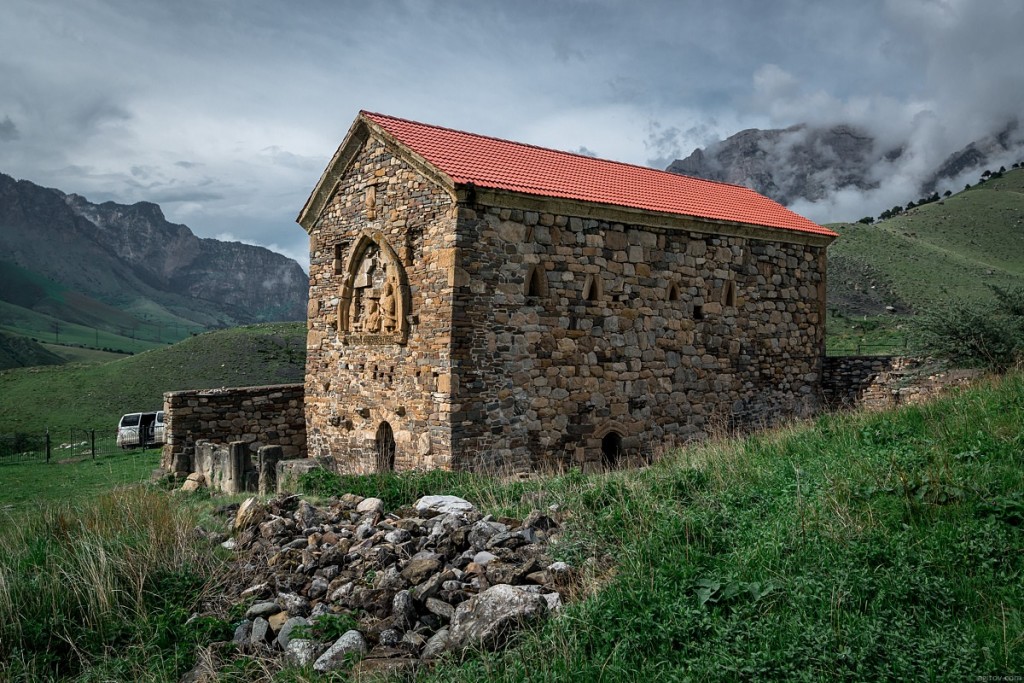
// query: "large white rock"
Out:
[441,505]
[284,636]
[300,651]
[488,619]
[370,506]
[350,642]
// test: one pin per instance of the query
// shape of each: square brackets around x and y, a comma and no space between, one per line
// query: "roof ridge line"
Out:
[558,151]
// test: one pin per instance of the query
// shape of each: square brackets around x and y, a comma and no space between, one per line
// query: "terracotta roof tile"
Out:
[502,164]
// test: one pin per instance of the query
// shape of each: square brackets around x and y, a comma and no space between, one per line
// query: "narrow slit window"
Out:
[592,288]
[385,447]
[535,281]
[729,295]
[338,265]
[673,292]
[698,312]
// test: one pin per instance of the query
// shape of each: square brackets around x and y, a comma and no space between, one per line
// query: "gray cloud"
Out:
[8,131]
[229,111]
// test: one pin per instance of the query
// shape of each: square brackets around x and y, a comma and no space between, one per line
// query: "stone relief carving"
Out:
[372,310]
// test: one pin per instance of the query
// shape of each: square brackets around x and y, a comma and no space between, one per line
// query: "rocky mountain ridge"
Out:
[806,162]
[131,257]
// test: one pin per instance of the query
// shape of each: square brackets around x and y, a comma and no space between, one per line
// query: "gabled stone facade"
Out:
[382,257]
[463,327]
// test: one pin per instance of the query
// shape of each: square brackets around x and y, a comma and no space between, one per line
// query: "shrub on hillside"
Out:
[989,336]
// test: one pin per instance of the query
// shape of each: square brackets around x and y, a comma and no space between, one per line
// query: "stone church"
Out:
[477,303]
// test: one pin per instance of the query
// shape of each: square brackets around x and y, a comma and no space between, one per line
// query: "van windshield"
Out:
[130,420]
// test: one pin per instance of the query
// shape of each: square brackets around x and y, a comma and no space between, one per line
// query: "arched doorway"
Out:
[385,448]
[611,449]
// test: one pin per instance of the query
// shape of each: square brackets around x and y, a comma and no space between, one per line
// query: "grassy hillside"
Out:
[950,249]
[19,352]
[78,354]
[867,547]
[862,547]
[95,396]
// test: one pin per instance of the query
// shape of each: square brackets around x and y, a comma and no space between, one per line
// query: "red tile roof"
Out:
[502,164]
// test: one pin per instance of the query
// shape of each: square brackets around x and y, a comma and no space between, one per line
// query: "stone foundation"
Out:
[233,469]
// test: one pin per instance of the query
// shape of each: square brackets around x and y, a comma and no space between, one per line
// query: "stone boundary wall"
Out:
[846,379]
[258,416]
[879,382]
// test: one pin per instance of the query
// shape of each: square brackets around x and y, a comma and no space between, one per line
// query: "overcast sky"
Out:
[225,112]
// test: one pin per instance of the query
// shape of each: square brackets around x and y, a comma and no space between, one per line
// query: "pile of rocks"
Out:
[437,577]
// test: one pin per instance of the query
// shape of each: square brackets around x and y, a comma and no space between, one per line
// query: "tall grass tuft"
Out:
[114,579]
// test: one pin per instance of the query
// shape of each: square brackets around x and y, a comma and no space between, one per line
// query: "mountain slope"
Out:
[18,352]
[132,259]
[951,249]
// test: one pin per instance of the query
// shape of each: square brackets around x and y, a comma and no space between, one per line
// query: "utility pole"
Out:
[56,332]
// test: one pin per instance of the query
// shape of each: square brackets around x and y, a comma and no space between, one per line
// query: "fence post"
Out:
[47,445]
[92,442]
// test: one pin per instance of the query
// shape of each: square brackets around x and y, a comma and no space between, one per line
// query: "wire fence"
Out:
[898,346]
[61,445]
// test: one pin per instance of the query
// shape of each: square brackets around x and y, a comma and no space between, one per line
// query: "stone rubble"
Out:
[432,578]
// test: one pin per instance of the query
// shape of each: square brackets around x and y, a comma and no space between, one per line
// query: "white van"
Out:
[141,429]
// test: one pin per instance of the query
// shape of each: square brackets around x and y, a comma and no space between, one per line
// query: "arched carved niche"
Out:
[374,302]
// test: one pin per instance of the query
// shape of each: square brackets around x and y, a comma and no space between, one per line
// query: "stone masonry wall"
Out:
[259,416]
[846,379]
[568,328]
[381,270]
[880,382]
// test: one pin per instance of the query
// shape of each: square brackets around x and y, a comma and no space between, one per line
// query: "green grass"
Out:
[885,546]
[17,352]
[103,590]
[867,335]
[75,354]
[47,328]
[951,249]
[871,547]
[95,396]
[27,486]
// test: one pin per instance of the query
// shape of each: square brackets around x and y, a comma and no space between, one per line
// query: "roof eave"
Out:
[633,216]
